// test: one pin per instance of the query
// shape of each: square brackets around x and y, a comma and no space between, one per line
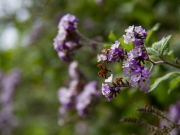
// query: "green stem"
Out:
[168,63]
[162,62]
[89,40]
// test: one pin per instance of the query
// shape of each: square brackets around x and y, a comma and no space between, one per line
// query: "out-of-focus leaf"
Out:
[170,55]
[159,80]
[107,46]
[174,83]
[151,31]
[126,46]
[177,61]
[112,37]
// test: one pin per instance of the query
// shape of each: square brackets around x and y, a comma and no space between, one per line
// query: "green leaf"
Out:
[156,27]
[152,51]
[126,46]
[151,31]
[174,83]
[156,46]
[111,36]
[159,80]
[177,61]
[170,55]
[107,45]
[165,45]
[162,46]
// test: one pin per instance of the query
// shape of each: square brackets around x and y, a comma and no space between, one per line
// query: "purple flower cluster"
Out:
[67,40]
[133,67]
[135,34]
[139,75]
[111,91]
[174,115]
[84,98]
[111,55]
[132,62]
[7,84]
[78,95]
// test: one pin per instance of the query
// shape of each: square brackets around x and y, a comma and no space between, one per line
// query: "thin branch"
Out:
[163,62]
[89,40]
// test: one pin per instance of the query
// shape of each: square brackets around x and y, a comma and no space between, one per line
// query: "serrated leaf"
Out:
[156,46]
[162,46]
[159,80]
[111,36]
[174,83]
[165,45]
[152,51]
[126,46]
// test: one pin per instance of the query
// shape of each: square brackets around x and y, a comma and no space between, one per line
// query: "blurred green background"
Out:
[27,29]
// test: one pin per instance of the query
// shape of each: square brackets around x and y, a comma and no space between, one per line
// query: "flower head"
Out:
[67,40]
[106,91]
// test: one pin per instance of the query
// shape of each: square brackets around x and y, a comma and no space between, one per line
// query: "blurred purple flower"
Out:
[84,98]
[65,95]
[73,70]
[7,84]
[67,40]
[78,96]
[174,115]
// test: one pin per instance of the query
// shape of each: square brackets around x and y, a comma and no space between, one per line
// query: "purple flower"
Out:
[144,84]
[65,95]
[67,40]
[135,34]
[135,76]
[84,98]
[130,29]
[111,55]
[127,71]
[174,112]
[140,32]
[8,83]
[133,68]
[133,83]
[68,22]
[129,37]
[73,70]
[106,91]
[174,115]
[78,96]
[137,52]
[146,73]
[138,42]
[115,54]
[144,81]
[101,57]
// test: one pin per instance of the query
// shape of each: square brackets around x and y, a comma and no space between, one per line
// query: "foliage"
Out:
[43,73]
